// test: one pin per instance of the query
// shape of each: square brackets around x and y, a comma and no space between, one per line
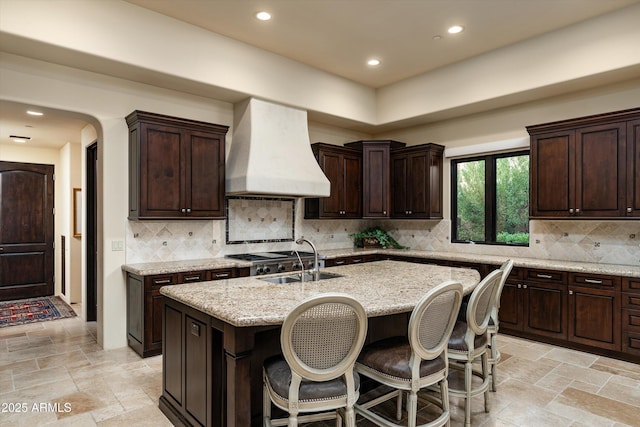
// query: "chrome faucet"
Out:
[315,271]
[301,264]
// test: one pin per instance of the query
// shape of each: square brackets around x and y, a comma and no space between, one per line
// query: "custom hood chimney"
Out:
[271,153]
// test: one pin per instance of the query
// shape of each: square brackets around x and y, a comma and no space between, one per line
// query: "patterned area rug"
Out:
[33,310]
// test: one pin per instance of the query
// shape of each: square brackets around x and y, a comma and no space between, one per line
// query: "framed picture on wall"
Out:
[77,212]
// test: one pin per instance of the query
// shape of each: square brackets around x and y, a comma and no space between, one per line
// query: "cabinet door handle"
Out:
[594,281]
[161,282]
[356,260]
[544,276]
[221,275]
[190,278]
[339,262]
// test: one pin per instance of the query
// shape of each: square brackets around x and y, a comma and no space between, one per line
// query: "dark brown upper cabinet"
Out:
[416,177]
[586,167]
[176,167]
[376,176]
[343,168]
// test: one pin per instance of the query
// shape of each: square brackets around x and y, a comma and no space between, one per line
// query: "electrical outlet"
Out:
[117,245]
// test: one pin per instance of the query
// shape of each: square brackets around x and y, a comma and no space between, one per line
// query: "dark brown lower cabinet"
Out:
[144,304]
[594,310]
[193,361]
[631,316]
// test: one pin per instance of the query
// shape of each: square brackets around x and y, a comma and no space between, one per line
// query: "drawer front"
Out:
[192,276]
[336,261]
[221,274]
[631,319]
[156,282]
[631,300]
[631,343]
[631,284]
[546,276]
[596,280]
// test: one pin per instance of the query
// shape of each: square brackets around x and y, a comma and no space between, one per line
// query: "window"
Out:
[490,199]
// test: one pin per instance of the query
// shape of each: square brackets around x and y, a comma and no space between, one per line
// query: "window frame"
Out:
[490,197]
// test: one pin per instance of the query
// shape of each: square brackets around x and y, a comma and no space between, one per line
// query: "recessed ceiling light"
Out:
[373,62]
[34,113]
[263,16]
[19,139]
[455,29]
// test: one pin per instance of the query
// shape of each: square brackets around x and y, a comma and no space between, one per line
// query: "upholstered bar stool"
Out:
[417,362]
[469,341]
[492,329]
[320,339]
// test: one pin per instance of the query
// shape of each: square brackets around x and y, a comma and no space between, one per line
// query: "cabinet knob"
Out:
[629,210]
[519,286]
[183,210]
[577,210]
[570,211]
[524,286]
[410,212]
[384,212]
[188,210]
[570,292]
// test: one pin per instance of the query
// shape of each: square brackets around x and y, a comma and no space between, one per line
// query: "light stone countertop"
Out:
[166,267]
[382,287]
[574,266]
[145,269]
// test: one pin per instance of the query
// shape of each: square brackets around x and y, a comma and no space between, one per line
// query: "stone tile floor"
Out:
[54,373]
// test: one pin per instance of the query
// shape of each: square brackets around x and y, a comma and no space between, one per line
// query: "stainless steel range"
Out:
[276,262]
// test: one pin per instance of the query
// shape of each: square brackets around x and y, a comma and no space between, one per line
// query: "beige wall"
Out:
[105,102]
[510,123]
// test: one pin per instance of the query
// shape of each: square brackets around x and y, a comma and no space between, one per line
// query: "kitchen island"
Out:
[216,335]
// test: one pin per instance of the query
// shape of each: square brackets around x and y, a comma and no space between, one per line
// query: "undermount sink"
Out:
[296,278]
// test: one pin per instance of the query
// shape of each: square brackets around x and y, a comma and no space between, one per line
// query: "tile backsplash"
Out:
[607,242]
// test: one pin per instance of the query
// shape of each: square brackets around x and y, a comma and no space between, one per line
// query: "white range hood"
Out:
[271,153]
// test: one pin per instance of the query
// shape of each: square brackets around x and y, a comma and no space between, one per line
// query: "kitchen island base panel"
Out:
[232,367]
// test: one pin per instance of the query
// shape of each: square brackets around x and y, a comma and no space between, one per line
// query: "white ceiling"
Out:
[338,36]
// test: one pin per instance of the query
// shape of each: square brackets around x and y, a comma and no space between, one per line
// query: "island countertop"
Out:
[382,287]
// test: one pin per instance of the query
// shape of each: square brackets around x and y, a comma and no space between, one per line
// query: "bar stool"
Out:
[492,329]
[417,362]
[320,339]
[469,341]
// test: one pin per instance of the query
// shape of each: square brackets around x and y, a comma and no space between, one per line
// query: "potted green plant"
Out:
[375,237]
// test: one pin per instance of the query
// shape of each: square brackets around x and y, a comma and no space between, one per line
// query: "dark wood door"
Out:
[331,165]
[204,175]
[162,160]
[399,190]
[26,230]
[510,312]
[552,174]
[632,207]
[594,317]
[352,185]
[601,170]
[545,308]
[376,181]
